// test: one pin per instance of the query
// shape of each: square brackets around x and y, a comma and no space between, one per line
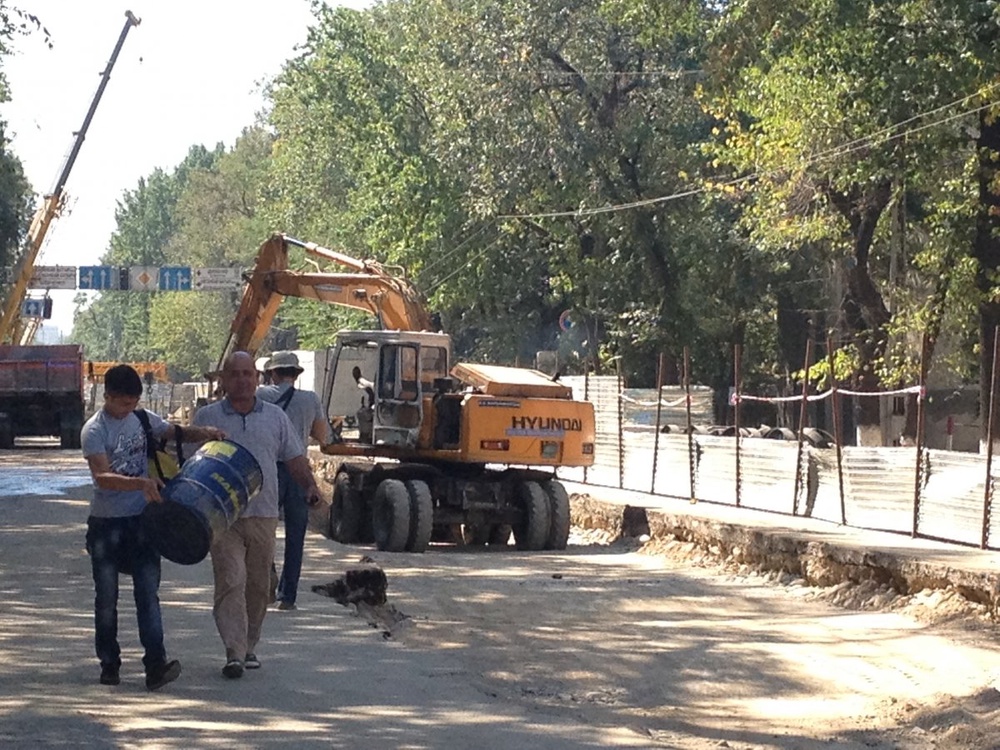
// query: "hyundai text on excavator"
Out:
[436,445]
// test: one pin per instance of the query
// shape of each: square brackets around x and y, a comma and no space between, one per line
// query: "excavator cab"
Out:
[379,380]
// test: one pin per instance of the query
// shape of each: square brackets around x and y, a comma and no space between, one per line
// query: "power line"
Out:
[842,150]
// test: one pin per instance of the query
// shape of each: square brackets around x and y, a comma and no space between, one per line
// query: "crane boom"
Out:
[12,328]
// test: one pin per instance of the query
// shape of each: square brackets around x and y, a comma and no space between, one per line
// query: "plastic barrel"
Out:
[212,489]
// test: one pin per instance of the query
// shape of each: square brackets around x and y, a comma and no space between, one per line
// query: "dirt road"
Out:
[600,646]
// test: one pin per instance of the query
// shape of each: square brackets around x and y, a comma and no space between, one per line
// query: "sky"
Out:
[189,73]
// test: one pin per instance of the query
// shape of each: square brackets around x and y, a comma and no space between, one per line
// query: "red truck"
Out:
[41,393]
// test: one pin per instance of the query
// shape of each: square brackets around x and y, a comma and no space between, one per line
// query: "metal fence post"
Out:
[621,425]
[738,378]
[988,494]
[837,437]
[659,412]
[690,430]
[803,413]
[920,432]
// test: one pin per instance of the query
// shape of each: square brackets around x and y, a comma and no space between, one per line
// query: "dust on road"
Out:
[598,646]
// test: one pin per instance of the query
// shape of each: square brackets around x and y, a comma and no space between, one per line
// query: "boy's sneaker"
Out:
[159,676]
[251,662]
[233,669]
[286,606]
[110,676]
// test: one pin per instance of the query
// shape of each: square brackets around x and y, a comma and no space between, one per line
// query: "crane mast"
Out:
[13,328]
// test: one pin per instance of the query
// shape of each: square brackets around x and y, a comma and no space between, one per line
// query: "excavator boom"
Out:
[372,288]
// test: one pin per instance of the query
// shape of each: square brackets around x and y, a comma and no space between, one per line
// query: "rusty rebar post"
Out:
[925,345]
[586,397]
[988,493]
[738,378]
[659,412]
[621,425]
[837,428]
[803,414]
[690,430]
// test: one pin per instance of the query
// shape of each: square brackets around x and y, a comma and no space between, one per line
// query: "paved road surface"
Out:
[594,647]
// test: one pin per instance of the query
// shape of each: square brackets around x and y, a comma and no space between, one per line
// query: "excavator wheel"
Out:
[421,515]
[532,530]
[391,515]
[345,511]
[558,515]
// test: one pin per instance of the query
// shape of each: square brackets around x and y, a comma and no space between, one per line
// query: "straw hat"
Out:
[283,361]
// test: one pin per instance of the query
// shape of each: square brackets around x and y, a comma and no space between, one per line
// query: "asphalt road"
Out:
[597,646]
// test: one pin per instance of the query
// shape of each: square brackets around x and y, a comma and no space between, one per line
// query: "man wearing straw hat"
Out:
[243,555]
[304,409]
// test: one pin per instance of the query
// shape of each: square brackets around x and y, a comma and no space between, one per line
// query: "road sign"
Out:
[207,279]
[98,277]
[175,279]
[37,308]
[53,277]
[143,278]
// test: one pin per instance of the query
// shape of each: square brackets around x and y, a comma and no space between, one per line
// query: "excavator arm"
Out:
[372,288]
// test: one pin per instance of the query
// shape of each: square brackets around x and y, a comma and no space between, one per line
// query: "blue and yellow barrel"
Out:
[212,489]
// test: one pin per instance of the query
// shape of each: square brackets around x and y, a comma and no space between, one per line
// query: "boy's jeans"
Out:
[119,545]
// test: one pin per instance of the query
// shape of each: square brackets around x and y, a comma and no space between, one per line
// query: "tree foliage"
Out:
[671,176]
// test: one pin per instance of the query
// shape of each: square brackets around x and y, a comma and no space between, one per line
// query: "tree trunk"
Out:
[987,252]
[864,307]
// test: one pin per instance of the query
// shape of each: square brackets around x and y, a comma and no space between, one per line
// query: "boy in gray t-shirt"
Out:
[114,444]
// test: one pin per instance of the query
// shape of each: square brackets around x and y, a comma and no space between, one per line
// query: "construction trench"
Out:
[862,568]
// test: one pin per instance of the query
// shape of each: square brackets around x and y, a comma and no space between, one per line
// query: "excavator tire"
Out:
[558,515]
[345,511]
[421,515]
[391,515]
[532,530]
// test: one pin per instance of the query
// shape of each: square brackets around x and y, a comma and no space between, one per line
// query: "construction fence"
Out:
[644,444]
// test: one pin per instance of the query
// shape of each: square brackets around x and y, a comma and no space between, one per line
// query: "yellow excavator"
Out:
[429,446]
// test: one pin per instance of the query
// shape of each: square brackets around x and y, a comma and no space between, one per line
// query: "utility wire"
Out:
[842,150]
[465,265]
[482,228]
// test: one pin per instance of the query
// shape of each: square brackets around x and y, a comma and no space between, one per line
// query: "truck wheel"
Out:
[421,515]
[500,535]
[558,515]
[532,530]
[6,432]
[391,516]
[345,511]
[69,430]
